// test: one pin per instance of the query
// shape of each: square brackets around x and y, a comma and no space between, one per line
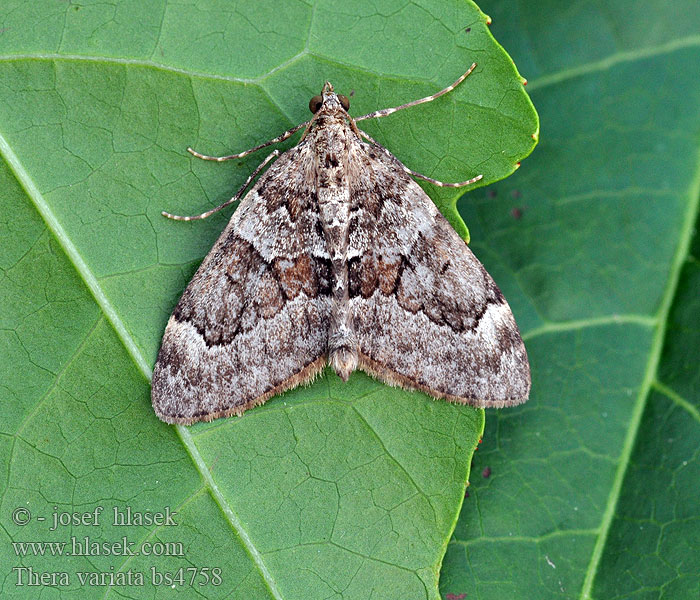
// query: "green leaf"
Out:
[330,491]
[594,483]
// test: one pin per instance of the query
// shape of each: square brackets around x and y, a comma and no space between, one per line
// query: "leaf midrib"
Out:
[682,251]
[137,62]
[545,80]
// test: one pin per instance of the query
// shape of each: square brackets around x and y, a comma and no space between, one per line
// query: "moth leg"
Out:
[416,173]
[239,193]
[279,138]
[387,111]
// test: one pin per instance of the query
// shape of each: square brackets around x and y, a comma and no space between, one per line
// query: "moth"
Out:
[336,256]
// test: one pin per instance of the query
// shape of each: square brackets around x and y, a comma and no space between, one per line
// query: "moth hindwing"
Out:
[336,256]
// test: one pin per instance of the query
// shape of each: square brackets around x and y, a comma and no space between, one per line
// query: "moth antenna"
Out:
[388,111]
[238,195]
[279,138]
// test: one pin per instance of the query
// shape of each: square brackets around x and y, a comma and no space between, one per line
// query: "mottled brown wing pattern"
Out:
[426,312]
[336,254]
[254,319]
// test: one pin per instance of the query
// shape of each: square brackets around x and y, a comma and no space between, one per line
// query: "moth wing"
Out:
[426,312]
[254,319]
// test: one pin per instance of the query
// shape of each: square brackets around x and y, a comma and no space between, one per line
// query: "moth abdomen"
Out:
[342,352]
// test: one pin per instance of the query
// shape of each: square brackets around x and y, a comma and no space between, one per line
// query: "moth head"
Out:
[329,98]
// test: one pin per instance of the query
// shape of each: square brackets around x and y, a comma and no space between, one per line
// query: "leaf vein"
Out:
[650,376]
[115,320]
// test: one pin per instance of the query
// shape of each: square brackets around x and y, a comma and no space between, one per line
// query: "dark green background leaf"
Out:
[332,491]
[593,491]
